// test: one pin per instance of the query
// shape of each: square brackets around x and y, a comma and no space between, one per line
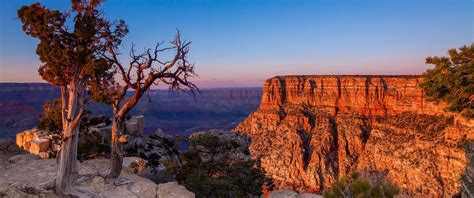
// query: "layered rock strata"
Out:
[310,131]
[34,141]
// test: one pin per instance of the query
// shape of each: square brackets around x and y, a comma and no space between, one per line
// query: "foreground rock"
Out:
[310,131]
[291,194]
[42,143]
[228,144]
[21,178]
[155,149]
[173,190]
[8,148]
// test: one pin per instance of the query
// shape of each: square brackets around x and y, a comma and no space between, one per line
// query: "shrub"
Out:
[88,147]
[358,186]
[452,80]
[220,174]
[50,120]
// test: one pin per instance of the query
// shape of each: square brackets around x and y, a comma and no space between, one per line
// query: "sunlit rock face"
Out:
[312,130]
[40,142]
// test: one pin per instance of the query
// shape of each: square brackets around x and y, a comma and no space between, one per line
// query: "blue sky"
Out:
[242,42]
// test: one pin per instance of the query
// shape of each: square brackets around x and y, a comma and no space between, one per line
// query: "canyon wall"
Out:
[367,95]
[310,131]
[173,112]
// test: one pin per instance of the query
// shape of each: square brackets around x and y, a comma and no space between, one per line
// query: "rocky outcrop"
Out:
[155,149]
[42,143]
[310,131]
[225,144]
[21,178]
[173,190]
[34,141]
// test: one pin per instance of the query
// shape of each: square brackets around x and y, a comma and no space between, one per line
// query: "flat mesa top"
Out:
[359,76]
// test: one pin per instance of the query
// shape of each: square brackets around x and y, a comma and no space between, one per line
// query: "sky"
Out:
[240,43]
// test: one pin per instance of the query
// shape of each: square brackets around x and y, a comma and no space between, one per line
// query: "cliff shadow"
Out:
[467,178]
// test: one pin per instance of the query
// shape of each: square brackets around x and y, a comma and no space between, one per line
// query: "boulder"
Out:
[173,190]
[38,145]
[153,149]
[136,164]
[283,194]
[292,194]
[134,126]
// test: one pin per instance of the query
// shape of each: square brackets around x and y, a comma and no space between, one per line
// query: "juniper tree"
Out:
[143,71]
[70,58]
[452,80]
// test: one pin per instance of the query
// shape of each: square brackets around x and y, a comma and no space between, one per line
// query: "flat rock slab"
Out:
[21,176]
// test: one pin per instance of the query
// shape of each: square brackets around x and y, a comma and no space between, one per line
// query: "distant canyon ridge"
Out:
[311,131]
[173,112]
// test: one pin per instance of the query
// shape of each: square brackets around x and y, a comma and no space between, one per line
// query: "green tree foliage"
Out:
[71,44]
[50,122]
[72,52]
[357,186]
[50,119]
[452,80]
[219,174]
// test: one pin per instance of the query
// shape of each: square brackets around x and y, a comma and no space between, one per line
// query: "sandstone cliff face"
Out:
[312,130]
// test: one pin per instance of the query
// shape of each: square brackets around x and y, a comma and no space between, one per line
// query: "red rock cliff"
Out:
[368,95]
[312,130]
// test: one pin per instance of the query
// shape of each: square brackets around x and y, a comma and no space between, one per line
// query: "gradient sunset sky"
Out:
[240,43]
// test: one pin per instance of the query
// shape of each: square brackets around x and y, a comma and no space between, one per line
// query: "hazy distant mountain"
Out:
[176,113]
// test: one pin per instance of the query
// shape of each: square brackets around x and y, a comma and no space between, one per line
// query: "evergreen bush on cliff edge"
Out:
[358,186]
[221,174]
[452,80]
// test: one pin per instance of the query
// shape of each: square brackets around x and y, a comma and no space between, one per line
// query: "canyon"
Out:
[173,112]
[311,131]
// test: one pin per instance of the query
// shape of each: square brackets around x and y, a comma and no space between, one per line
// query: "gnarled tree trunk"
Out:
[116,157]
[174,73]
[67,171]
[118,126]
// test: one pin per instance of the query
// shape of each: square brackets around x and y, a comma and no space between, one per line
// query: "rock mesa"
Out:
[310,131]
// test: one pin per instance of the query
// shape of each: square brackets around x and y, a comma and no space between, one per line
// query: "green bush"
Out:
[452,80]
[358,186]
[88,147]
[220,175]
[50,119]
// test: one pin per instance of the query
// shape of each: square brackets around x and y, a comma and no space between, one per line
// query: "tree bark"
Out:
[118,125]
[116,158]
[67,172]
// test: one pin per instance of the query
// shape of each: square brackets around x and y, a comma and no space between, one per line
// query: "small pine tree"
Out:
[452,80]
[50,119]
